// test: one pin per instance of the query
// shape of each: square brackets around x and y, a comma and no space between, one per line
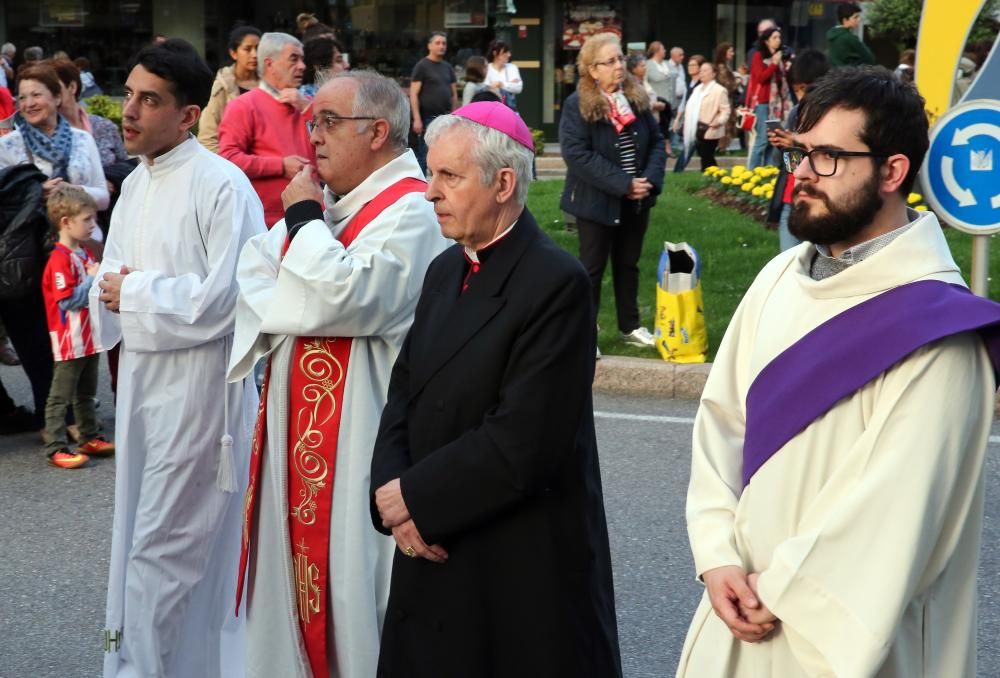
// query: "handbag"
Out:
[746,116]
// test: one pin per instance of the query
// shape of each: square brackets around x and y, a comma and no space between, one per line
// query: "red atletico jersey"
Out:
[69,331]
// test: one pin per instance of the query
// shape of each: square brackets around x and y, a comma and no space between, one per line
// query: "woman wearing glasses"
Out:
[614,155]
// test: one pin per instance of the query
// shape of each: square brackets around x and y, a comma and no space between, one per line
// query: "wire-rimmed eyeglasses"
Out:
[329,120]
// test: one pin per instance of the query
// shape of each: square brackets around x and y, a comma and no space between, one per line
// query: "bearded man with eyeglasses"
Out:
[327,297]
[836,498]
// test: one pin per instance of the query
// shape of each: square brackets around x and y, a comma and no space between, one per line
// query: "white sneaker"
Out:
[598,353]
[640,336]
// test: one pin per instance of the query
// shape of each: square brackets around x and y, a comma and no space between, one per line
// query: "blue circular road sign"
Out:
[961,173]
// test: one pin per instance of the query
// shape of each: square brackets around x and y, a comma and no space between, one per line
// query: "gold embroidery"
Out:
[306,576]
[325,373]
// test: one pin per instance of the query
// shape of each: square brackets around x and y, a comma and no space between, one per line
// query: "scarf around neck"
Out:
[619,110]
[55,149]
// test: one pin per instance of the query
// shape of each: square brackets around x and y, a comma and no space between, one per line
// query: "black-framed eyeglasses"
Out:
[823,161]
[611,62]
[328,120]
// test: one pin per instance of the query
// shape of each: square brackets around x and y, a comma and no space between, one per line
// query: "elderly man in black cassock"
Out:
[485,469]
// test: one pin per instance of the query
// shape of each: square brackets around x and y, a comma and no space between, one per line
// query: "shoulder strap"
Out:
[806,380]
[378,204]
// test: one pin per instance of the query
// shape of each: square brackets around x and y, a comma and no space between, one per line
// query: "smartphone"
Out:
[773,124]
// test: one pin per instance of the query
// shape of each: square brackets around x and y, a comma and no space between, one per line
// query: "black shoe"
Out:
[17,420]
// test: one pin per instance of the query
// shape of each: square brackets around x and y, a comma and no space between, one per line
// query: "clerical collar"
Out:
[474,255]
[824,265]
[270,90]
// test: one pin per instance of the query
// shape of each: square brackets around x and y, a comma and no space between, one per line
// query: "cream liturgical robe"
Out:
[865,527]
[179,225]
[367,291]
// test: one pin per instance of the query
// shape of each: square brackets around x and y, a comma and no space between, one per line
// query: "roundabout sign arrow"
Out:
[961,173]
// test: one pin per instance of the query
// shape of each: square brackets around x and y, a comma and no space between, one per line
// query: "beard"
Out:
[841,222]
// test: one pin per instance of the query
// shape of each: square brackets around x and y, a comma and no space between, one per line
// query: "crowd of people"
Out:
[414,489]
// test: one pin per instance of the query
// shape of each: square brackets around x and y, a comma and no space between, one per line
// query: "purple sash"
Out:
[846,352]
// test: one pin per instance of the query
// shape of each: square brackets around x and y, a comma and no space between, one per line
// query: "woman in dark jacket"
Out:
[614,155]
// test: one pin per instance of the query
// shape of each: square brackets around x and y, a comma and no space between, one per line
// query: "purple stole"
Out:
[847,351]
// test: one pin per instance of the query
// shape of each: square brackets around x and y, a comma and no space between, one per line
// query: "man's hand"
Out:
[111,288]
[293,97]
[390,504]
[303,186]
[730,593]
[410,542]
[49,186]
[780,138]
[639,188]
[293,164]
[418,126]
[761,615]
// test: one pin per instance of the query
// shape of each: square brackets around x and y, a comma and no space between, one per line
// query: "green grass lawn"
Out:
[733,248]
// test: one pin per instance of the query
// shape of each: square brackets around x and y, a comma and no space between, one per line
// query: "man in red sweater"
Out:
[264,131]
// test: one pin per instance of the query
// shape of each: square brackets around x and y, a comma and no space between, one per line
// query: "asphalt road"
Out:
[55,540]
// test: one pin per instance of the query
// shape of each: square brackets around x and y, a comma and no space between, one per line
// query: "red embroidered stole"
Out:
[317,375]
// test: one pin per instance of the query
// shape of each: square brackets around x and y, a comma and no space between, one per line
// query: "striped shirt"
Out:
[627,152]
[69,324]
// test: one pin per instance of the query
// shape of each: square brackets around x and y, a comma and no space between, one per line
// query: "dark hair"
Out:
[43,73]
[82,62]
[68,73]
[318,54]
[846,10]
[475,69]
[895,119]
[486,94]
[237,34]
[176,62]
[697,58]
[908,57]
[634,61]
[809,66]
[436,34]
[310,28]
[762,47]
[496,48]
[720,52]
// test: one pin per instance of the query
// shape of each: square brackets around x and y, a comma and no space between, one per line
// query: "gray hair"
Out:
[380,97]
[33,53]
[270,47]
[493,151]
[8,48]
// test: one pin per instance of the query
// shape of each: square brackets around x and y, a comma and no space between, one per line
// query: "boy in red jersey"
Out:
[66,284]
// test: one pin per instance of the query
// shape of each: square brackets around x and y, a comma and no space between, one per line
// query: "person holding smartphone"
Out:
[767,80]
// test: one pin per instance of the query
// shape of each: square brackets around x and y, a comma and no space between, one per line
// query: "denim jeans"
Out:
[785,239]
[762,150]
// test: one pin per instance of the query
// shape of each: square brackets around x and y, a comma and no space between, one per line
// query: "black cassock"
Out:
[490,426]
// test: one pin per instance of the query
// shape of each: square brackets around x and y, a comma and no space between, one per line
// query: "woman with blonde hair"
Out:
[614,155]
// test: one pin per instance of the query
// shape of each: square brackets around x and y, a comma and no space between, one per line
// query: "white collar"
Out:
[472,254]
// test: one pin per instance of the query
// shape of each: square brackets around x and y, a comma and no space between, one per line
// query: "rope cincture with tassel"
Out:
[226,477]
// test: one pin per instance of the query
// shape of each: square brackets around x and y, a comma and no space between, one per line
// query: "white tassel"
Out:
[225,479]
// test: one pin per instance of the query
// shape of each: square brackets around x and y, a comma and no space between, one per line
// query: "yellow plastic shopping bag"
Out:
[681,336]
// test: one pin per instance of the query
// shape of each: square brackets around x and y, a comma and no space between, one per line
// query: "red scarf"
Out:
[318,372]
[619,110]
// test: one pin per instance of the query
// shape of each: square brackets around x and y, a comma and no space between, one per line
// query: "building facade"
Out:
[390,35]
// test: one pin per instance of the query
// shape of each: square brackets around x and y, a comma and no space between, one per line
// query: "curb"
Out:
[650,377]
[660,379]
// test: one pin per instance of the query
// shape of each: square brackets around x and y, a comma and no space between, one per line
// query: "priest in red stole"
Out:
[327,297]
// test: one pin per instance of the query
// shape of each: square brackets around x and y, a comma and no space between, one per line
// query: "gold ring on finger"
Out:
[409,551]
